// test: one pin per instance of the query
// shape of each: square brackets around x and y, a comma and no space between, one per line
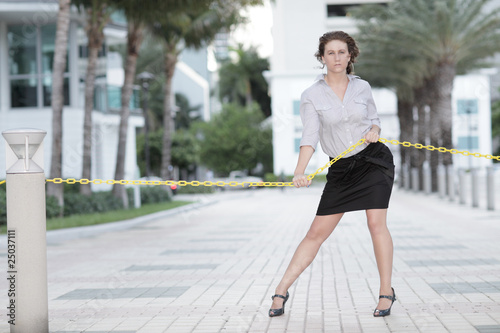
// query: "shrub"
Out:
[155,194]
[98,202]
[270,177]
[196,189]
[52,207]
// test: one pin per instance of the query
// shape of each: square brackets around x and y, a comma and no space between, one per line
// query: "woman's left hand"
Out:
[372,136]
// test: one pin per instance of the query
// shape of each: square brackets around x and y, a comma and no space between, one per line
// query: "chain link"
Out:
[440,149]
[261,184]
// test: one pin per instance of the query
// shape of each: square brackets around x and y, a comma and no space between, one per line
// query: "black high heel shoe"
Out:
[278,312]
[386,312]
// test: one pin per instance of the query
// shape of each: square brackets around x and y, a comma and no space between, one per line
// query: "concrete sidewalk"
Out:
[213,268]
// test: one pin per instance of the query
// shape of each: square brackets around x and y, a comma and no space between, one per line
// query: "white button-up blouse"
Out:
[337,124]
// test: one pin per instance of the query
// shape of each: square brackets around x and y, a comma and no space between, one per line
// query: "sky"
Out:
[257,32]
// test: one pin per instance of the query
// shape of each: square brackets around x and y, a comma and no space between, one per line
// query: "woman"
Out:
[338,110]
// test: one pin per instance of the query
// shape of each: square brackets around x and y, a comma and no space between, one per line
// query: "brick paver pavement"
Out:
[213,267]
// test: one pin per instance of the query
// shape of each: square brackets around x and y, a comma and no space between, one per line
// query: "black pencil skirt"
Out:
[359,182]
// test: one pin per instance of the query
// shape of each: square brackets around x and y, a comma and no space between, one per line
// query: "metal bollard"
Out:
[461,186]
[490,188]
[26,232]
[415,183]
[475,188]
[427,179]
[406,171]
[441,175]
[451,182]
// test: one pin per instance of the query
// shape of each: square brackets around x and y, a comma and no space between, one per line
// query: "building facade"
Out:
[27,38]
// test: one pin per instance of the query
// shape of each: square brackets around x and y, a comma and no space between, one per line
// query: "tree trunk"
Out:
[434,130]
[95,38]
[405,115]
[60,52]
[421,131]
[445,75]
[134,39]
[166,155]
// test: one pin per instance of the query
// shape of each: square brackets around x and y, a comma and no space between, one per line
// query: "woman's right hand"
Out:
[301,181]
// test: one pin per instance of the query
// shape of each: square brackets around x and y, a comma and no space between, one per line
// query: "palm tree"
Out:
[194,27]
[134,39]
[138,13]
[384,64]
[450,36]
[60,52]
[243,81]
[98,14]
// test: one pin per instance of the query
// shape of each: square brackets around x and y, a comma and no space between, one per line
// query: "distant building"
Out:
[297,26]
[27,37]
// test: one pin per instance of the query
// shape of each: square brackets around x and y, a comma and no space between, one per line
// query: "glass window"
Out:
[297,144]
[467,106]
[114,97]
[22,49]
[296,107]
[23,93]
[468,143]
[31,57]
[48,48]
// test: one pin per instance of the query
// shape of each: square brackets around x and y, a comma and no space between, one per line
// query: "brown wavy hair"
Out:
[352,48]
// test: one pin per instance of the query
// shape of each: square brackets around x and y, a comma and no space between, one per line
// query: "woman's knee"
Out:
[377,221]
[322,227]
[315,235]
[376,226]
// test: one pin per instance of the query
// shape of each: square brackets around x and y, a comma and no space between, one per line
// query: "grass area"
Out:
[113,216]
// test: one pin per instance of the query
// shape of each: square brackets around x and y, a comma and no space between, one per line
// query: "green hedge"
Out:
[98,202]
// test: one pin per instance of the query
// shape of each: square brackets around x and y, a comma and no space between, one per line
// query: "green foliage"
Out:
[185,151]
[155,145]
[270,177]
[154,194]
[111,216]
[186,113]
[235,139]
[195,189]
[243,81]
[52,207]
[98,202]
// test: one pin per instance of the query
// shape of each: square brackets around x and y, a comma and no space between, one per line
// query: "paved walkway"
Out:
[213,268]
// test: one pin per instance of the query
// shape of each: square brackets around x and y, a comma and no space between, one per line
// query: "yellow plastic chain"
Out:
[262,184]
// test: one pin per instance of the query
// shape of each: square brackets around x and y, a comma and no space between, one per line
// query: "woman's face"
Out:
[336,56]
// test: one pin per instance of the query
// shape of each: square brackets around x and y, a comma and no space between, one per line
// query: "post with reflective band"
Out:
[490,188]
[415,181]
[461,186]
[450,175]
[475,187]
[26,232]
[441,175]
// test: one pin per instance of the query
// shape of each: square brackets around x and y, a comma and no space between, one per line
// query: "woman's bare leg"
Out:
[320,230]
[383,247]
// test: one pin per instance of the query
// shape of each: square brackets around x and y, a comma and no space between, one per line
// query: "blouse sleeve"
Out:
[310,123]
[372,108]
